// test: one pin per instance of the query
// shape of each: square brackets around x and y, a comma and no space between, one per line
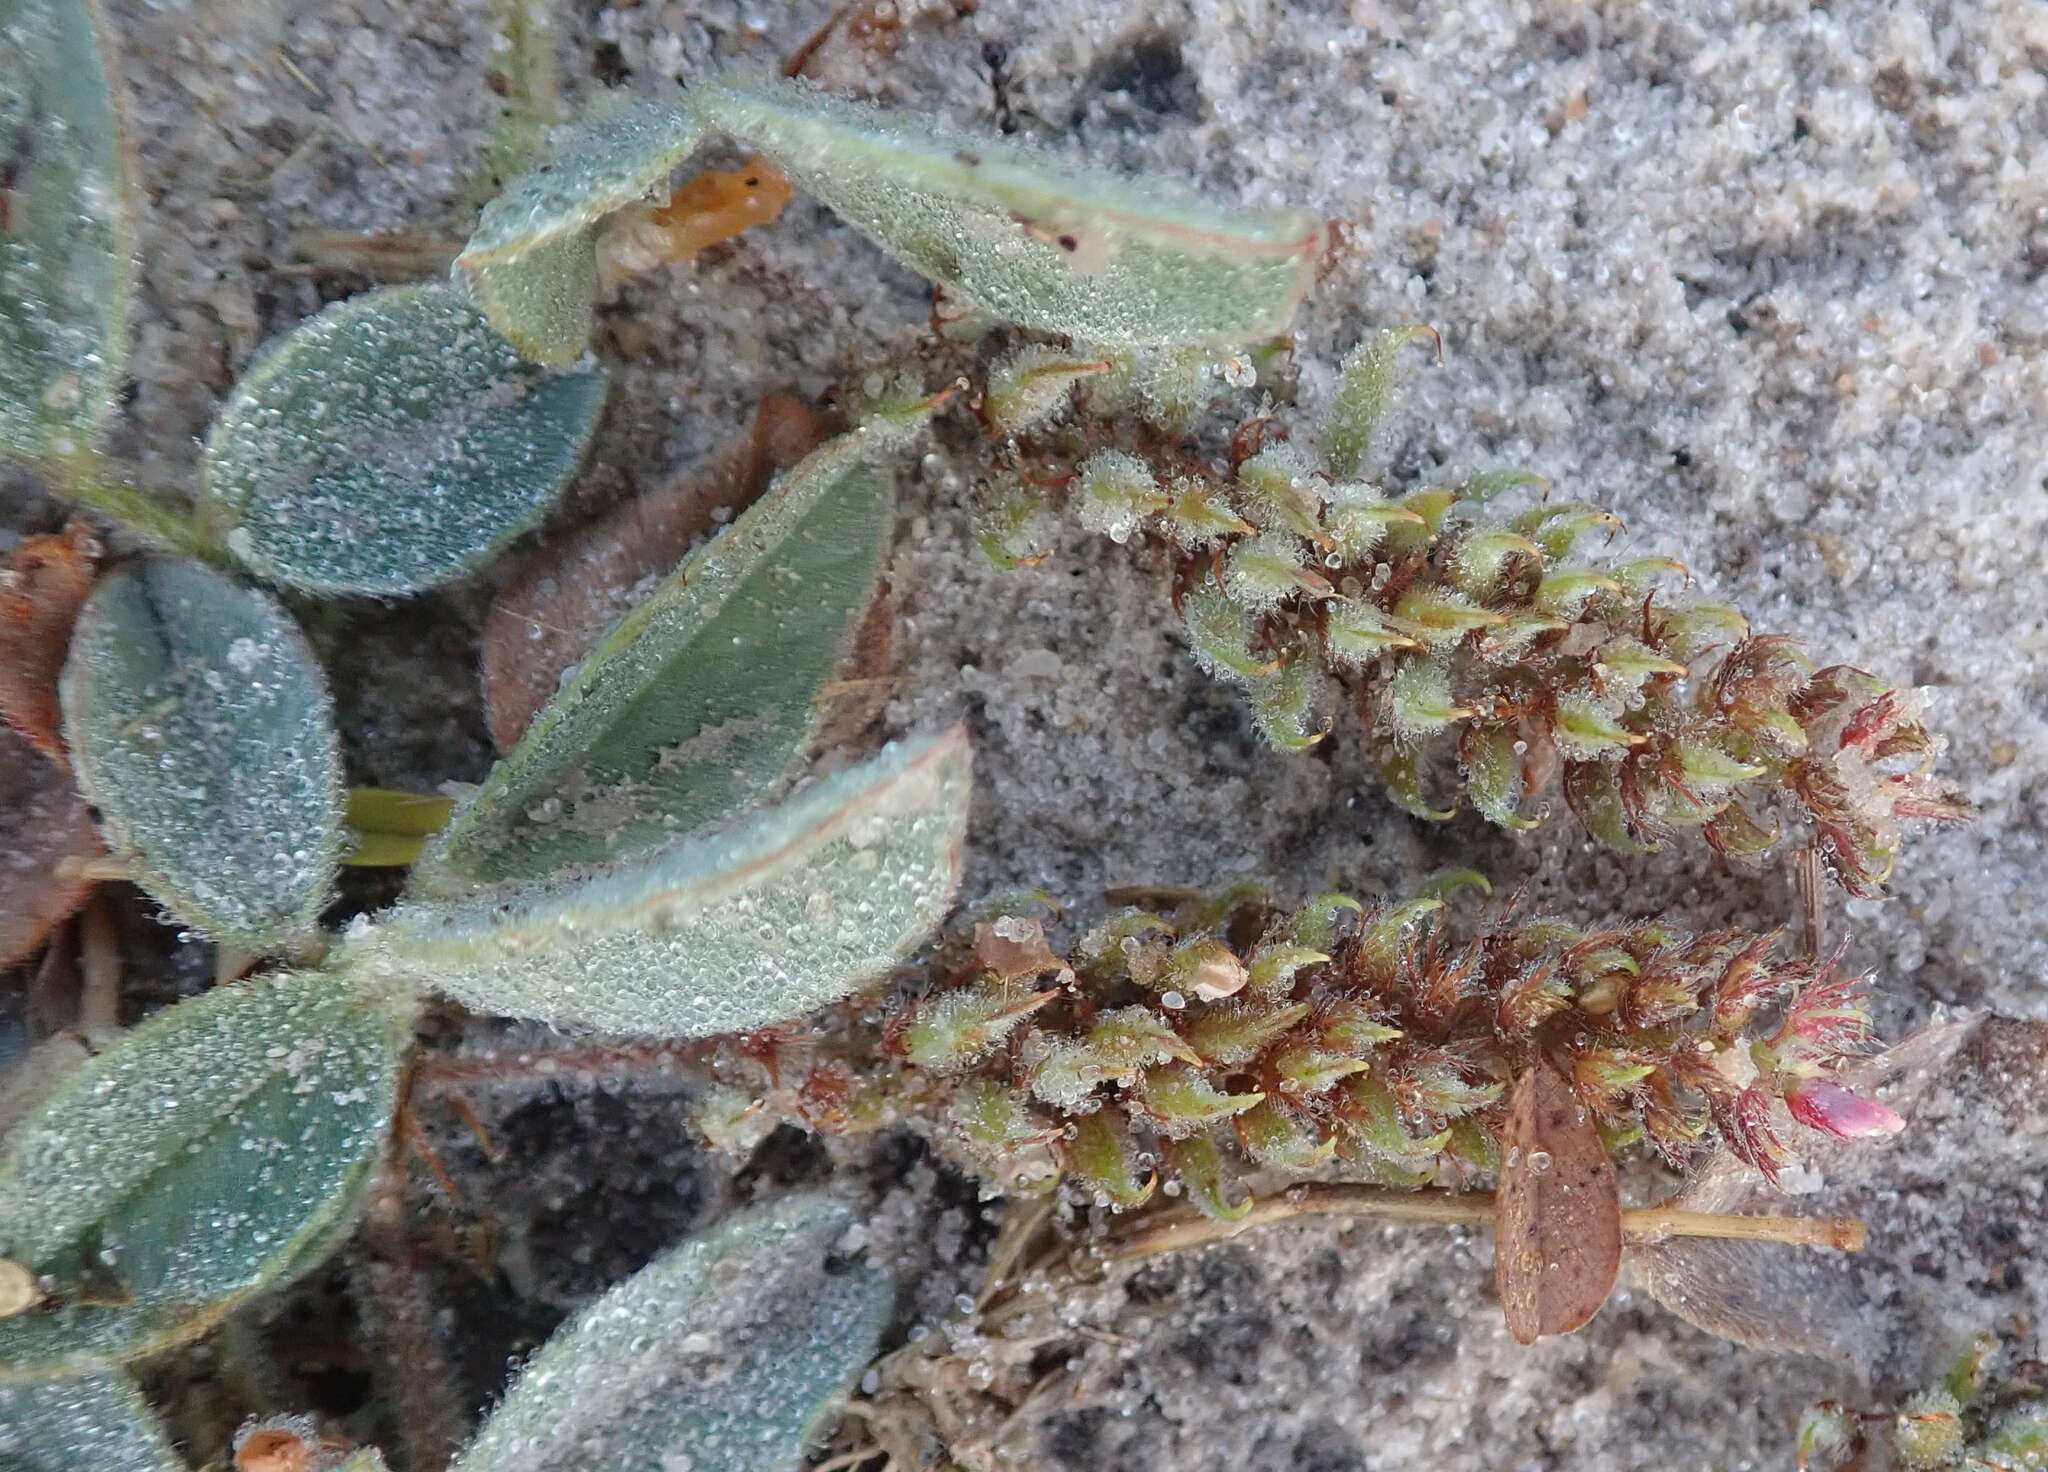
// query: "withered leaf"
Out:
[568,594]
[41,588]
[1557,1214]
[859,689]
[1765,1294]
[43,821]
[1013,948]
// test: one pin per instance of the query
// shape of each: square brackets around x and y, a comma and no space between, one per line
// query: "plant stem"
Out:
[412,1371]
[1472,1208]
[532,93]
[87,479]
[577,1064]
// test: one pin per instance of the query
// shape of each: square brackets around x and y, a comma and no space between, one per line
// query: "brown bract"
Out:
[43,822]
[1557,1214]
[41,588]
[287,1444]
[553,613]
[1013,949]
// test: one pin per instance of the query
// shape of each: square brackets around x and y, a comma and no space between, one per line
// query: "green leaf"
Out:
[532,261]
[1062,250]
[1221,631]
[718,934]
[722,1355]
[1592,790]
[98,1421]
[2020,1440]
[201,729]
[1182,1100]
[1494,775]
[1364,391]
[1198,1169]
[1283,705]
[699,698]
[393,442]
[217,1149]
[1098,1152]
[67,245]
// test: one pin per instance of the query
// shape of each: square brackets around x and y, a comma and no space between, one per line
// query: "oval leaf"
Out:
[723,1355]
[218,1148]
[699,698]
[200,728]
[66,244]
[718,934]
[1557,1214]
[393,442]
[1078,252]
[532,261]
[98,1421]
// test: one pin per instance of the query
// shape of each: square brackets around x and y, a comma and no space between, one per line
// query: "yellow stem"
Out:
[1473,1208]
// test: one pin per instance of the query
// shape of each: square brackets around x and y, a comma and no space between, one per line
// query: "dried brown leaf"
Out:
[43,822]
[553,612]
[19,1291]
[1557,1214]
[1760,1293]
[860,687]
[41,588]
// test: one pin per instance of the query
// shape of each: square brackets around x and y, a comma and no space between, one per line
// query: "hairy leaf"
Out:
[726,933]
[1062,250]
[722,1355]
[393,442]
[201,729]
[98,1421]
[699,698]
[532,261]
[214,1150]
[1364,391]
[553,613]
[67,246]
[1557,1214]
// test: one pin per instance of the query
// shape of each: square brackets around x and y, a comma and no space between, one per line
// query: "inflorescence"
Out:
[1191,1023]
[1296,577]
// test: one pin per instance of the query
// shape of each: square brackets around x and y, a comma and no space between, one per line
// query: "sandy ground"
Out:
[1770,281]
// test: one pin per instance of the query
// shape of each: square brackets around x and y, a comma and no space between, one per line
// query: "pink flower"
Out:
[1833,1110]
